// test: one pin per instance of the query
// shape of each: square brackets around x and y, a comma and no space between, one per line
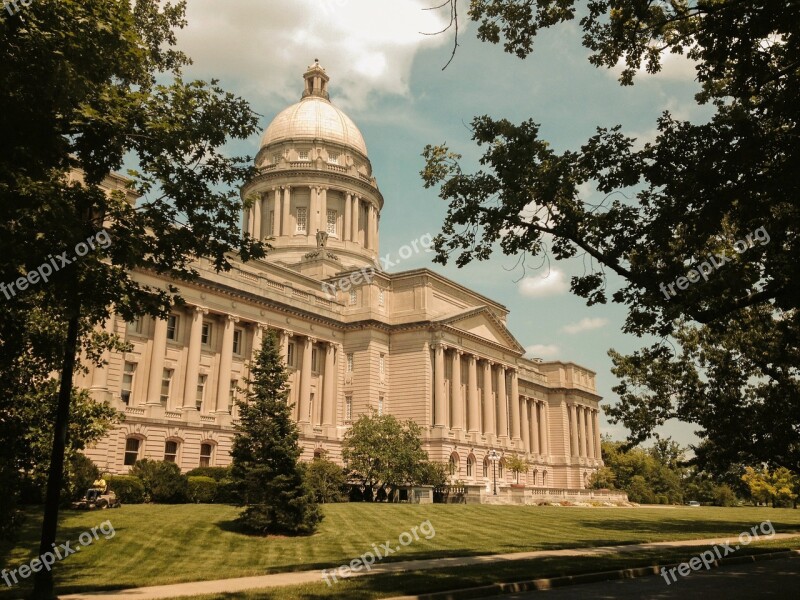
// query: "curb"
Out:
[533,585]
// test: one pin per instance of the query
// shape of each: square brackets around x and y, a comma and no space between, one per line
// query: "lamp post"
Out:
[494,457]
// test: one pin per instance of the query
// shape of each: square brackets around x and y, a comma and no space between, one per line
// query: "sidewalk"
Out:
[283,579]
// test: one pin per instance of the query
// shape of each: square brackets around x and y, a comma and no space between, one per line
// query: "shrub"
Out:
[162,481]
[201,490]
[228,492]
[216,473]
[83,473]
[326,480]
[129,489]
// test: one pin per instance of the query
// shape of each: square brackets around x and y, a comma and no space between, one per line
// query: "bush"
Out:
[162,481]
[228,492]
[326,480]
[216,473]
[83,473]
[724,496]
[201,490]
[129,489]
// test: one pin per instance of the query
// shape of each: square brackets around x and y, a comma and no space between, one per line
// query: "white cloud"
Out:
[542,351]
[586,324]
[552,283]
[365,46]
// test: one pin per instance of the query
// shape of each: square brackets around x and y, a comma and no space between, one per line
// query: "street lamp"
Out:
[494,457]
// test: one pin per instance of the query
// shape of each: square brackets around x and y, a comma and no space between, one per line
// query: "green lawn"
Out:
[159,544]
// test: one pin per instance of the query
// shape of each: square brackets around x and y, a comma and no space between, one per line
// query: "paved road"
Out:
[766,579]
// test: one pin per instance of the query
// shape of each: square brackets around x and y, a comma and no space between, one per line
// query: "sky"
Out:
[386,73]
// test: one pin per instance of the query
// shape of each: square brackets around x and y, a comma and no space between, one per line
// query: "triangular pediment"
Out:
[482,323]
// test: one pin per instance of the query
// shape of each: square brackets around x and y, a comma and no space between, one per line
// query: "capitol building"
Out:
[355,338]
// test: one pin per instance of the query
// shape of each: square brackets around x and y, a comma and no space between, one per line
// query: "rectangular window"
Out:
[206,451]
[172,327]
[166,383]
[333,158]
[131,451]
[314,365]
[348,408]
[353,297]
[136,326]
[331,226]
[170,451]
[233,391]
[201,390]
[290,355]
[302,155]
[302,219]
[382,364]
[276,158]
[205,336]
[380,406]
[381,298]
[238,336]
[128,372]
[350,362]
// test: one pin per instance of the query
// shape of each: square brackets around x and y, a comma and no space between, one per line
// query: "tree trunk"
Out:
[43,581]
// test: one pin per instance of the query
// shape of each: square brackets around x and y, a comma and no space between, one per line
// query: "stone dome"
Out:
[314,118]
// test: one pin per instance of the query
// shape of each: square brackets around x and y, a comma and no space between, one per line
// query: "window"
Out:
[486,467]
[314,365]
[470,466]
[290,355]
[353,297]
[272,222]
[233,390]
[206,454]
[381,298]
[205,336]
[302,155]
[302,219]
[380,406]
[500,465]
[382,364]
[348,408]
[172,327]
[350,362]
[331,223]
[131,451]
[544,478]
[170,451]
[166,383]
[453,464]
[333,158]
[136,326]
[238,336]
[127,381]
[201,389]
[311,407]
[276,158]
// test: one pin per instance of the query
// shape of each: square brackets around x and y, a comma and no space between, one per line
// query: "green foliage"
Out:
[84,473]
[266,453]
[129,489]
[201,490]
[216,473]
[516,464]
[779,486]
[660,210]
[326,480]
[652,476]
[228,492]
[432,473]
[162,481]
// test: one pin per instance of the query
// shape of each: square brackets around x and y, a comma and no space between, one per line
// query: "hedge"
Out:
[129,489]
[202,490]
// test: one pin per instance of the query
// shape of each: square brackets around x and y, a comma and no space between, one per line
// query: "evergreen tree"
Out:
[266,453]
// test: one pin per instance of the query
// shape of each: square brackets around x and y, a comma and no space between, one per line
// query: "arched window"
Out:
[544,478]
[470,466]
[485,467]
[501,465]
[534,477]
[206,454]
[453,464]
[319,453]
[170,451]
[132,446]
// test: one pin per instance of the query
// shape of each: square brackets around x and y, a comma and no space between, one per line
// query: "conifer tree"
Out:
[266,453]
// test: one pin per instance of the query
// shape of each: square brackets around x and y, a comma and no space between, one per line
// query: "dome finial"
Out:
[316,81]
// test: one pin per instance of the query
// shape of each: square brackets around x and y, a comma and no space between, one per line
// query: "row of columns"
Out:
[322,413]
[354,205]
[535,427]
[584,436]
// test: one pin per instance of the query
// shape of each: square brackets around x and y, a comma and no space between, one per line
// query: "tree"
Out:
[517,465]
[105,86]
[711,204]
[432,473]
[266,453]
[327,480]
[383,453]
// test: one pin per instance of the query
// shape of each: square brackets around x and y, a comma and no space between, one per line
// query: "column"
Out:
[157,362]
[305,382]
[525,425]
[488,400]
[377,230]
[373,226]
[573,430]
[348,218]
[439,400]
[276,214]
[582,432]
[225,359]
[329,391]
[313,211]
[457,418]
[246,221]
[473,408]
[100,374]
[502,403]
[285,335]
[258,340]
[544,429]
[193,359]
[356,213]
[535,448]
[285,213]
[514,402]
[597,449]
[589,433]
[323,209]
[257,210]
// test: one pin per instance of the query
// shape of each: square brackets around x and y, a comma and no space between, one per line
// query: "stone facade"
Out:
[413,344]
